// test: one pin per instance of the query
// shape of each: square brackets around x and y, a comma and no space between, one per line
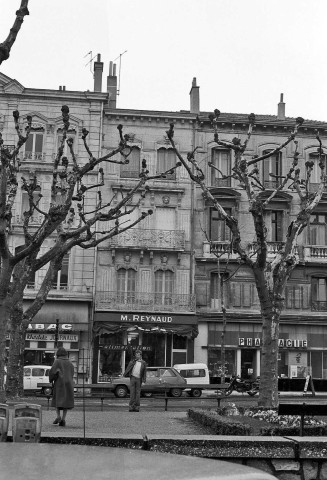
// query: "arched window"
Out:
[132,168]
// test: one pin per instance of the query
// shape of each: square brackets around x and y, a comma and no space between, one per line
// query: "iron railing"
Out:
[154,302]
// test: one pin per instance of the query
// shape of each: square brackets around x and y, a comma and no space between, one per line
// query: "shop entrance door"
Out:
[248,364]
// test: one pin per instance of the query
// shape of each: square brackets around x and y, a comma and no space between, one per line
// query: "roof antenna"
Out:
[90,61]
[119,56]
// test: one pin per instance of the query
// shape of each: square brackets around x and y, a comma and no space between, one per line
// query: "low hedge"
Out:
[243,425]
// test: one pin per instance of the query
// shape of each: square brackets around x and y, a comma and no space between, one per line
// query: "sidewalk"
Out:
[122,422]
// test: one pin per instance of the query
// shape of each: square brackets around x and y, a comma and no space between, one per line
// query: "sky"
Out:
[243,53]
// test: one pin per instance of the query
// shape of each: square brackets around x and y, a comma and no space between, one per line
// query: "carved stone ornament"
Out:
[166,200]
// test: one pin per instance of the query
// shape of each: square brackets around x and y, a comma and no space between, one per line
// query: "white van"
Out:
[195,374]
[34,374]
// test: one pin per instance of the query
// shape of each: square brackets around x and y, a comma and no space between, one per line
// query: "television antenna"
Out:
[119,70]
[90,61]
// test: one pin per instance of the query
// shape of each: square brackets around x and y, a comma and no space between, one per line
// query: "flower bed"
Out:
[231,420]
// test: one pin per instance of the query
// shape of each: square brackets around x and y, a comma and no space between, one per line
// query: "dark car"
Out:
[155,377]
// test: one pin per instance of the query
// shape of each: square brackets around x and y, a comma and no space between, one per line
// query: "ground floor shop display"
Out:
[302,349]
[164,341]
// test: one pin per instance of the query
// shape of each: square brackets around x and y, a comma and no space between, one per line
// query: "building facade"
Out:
[156,286]
[71,298]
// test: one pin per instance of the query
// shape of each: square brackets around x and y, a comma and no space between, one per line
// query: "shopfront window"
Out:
[214,362]
[110,356]
[154,349]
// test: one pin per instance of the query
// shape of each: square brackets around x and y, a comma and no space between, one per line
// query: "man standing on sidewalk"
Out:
[136,370]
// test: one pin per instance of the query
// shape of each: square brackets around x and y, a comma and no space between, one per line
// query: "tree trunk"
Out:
[17,331]
[269,361]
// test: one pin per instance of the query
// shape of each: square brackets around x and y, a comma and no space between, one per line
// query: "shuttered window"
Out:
[126,282]
[166,159]
[163,284]
[276,226]
[272,170]
[131,169]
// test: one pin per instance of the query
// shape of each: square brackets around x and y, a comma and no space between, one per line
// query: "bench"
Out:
[302,409]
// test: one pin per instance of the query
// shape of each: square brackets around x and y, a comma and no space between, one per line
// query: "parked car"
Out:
[194,373]
[34,374]
[155,376]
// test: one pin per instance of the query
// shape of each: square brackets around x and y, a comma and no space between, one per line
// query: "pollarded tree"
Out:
[270,274]
[72,220]
[5,47]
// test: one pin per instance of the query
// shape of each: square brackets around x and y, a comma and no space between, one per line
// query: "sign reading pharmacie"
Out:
[282,342]
[147,318]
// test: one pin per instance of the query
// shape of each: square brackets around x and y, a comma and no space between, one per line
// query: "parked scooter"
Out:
[243,386]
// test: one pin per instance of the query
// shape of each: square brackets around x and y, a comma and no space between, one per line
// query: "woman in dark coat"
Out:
[62,373]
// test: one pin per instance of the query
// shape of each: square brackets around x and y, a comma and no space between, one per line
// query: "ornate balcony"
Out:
[150,239]
[315,253]
[31,156]
[138,301]
[273,248]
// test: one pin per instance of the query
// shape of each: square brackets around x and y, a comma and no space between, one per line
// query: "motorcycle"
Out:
[243,386]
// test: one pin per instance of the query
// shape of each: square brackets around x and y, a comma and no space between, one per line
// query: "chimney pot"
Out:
[112,86]
[281,108]
[194,97]
[114,70]
[64,87]
[60,87]
[110,69]
[98,69]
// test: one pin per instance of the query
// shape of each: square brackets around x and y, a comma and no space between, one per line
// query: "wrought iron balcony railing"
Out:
[318,306]
[150,238]
[136,301]
[32,156]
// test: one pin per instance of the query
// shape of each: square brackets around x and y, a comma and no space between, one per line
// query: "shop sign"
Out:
[146,318]
[282,343]
[125,347]
[49,337]
[51,326]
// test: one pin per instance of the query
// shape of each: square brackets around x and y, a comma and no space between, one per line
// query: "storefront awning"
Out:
[187,330]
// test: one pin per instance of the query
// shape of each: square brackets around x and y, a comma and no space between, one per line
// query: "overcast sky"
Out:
[244,53]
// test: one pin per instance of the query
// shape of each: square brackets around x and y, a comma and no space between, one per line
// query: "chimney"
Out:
[112,86]
[60,87]
[281,108]
[195,98]
[98,69]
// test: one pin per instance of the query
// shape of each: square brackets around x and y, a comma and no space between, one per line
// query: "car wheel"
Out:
[196,392]
[121,391]
[175,392]
[146,394]
[47,391]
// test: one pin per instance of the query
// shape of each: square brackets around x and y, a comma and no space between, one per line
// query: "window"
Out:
[38,372]
[36,217]
[34,146]
[131,169]
[316,172]
[218,228]
[215,293]
[66,152]
[221,159]
[276,226]
[126,283]
[166,159]
[31,281]
[60,279]
[319,293]
[163,286]
[272,165]
[317,229]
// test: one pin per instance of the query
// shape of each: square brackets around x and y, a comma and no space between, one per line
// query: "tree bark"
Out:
[17,331]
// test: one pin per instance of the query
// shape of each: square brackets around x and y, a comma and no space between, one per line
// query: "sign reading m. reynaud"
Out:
[146,318]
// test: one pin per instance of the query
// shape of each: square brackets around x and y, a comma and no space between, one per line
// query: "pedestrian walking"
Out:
[136,370]
[61,374]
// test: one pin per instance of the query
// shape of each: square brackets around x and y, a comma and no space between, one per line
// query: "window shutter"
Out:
[289,296]
[297,297]
[279,226]
[236,289]
[254,296]
[183,282]
[305,296]
[246,291]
